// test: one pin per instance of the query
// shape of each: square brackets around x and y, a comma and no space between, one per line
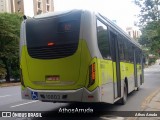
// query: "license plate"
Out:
[53,78]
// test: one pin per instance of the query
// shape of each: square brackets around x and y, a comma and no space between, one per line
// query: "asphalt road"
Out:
[10,99]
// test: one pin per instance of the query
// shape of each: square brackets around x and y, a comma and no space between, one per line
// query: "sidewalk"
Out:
[152,106]
[9,84]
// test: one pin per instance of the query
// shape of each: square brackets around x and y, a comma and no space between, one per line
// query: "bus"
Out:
[78,56]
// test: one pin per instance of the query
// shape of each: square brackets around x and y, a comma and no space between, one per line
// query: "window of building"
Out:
[39,4]
[48,5]
[103,40]
[129,33]
[19,2]
[48,1]
[48,8]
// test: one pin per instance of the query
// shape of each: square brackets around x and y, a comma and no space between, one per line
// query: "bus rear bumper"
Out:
[79,95]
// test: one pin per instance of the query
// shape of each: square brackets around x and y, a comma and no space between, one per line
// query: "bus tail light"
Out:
[92,74]
[51,44]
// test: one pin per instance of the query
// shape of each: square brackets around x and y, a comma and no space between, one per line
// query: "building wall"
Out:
[5,6]
[17,6]
[12,6]
[43,6]
[134,32]
[8,6]
[2,5]
[35,6]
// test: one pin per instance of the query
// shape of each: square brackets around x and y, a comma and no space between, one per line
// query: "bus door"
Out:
[116,65]
[135,68]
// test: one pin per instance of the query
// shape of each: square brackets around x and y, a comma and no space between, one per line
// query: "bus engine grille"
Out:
[53,52]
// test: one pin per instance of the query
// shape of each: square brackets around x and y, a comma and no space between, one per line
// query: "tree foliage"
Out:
[151,37]
[150,24]
[9,42]
[149,10]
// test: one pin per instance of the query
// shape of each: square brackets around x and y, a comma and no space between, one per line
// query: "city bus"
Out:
[78,56]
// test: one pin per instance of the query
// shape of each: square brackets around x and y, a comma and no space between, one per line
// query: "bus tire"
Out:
[137,89]
[123,100]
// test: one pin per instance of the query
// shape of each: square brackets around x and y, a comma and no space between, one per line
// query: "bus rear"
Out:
[55,63]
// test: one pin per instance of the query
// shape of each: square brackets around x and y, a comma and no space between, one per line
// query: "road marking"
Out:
[24,103]
[112,118]
[5,96]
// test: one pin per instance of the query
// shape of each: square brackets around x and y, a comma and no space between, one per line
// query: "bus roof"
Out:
[57,13]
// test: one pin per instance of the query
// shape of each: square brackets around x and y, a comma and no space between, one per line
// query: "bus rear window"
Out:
[53,37]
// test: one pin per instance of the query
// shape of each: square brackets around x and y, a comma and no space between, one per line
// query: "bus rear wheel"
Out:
[123,100]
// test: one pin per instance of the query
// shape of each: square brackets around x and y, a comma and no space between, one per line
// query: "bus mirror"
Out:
[24,17]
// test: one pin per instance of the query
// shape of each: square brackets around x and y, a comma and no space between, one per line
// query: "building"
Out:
[5,6]
[17,6]
[43,6]
[27,7]
[134,32]
[12,6]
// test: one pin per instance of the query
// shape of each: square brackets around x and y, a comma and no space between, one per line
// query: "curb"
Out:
[149,98]
[9,84]
[146,103]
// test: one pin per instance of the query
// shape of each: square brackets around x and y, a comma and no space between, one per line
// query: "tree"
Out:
[2,70]
[9,42]
[149,10]
[150,37]
[150,24]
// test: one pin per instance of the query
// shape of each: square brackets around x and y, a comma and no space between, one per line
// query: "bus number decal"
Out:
[53,97]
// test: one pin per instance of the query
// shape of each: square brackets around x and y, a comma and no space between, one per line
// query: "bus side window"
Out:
[137,56]
[132,53]
[112,41]
[141,57]
[121,49]
[103,40]
[133,49]
[126,52]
